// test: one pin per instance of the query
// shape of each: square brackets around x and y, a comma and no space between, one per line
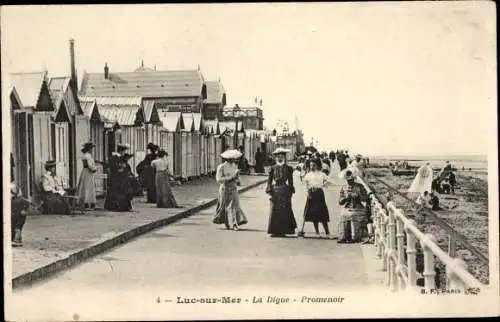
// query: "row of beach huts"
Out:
[52,117]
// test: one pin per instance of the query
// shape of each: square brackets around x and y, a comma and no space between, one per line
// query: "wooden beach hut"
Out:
[171,140]
[127,116]
[75,129]
[33,129]
[213,132]
[188,164]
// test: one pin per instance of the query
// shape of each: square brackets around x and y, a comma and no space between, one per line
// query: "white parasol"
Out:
[231,154]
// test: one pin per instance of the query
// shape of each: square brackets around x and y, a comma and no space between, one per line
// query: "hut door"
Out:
[82,127]
[62,151]
[21,153]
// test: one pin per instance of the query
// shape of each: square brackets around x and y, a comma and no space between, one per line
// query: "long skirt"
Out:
[316,209]
[259,167]
[55,204]
[86,187]
[281,219]
[164,196]
[351,225]
[120,194]
[149,182]
[228,211]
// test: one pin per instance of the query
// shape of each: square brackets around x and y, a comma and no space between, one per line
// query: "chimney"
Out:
[74,82]
[106,71]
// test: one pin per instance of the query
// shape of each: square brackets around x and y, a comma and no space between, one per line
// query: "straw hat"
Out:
[280,151]
[123,146]
[349,173]
[231,154]
[88,145]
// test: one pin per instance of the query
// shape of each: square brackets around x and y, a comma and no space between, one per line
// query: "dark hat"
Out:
[127,156]
[152,146]
[123,146]
[50,164]
[162,153]
[88,145]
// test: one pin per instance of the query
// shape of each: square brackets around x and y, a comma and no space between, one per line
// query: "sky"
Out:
[390,78]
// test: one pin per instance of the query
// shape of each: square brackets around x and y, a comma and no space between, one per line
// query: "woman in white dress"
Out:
[228,211]
[422,181]
[316,210]
[86,184]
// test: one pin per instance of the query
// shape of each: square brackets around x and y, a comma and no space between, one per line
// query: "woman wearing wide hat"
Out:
[228,210]
[146,172]
[280,189]
[86,183]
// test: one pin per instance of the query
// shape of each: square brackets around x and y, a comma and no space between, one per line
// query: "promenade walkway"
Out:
[194,256]
[48,238]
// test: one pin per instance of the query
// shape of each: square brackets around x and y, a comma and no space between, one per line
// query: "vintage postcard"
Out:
[250,161]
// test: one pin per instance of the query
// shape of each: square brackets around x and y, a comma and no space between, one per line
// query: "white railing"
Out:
[392,228]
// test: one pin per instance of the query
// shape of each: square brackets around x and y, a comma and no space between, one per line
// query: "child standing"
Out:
[19,207]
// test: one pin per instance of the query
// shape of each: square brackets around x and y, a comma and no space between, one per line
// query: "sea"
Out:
[477,163]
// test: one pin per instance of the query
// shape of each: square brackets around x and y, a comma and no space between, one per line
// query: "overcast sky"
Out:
[393,78]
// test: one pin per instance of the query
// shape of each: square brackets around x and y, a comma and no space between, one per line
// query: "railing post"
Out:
[392,250]
[453,282]
[401,251]
[429,272]
[383,242]
[452,244]
[411,251]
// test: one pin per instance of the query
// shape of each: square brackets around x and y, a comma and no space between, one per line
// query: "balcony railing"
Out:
[396,240]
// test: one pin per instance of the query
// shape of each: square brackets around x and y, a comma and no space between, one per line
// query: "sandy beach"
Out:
[466,210]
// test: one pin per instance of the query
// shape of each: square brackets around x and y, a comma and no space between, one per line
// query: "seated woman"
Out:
[354,216]
[52,195]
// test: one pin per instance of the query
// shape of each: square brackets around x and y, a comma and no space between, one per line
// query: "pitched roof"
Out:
[174,83]
[215,93]
[211,126]
[123,115]
[171,120]
[90,108]
[115,100]
[15,95]
[197,122]
[28,86]
[148,109]
[188,121]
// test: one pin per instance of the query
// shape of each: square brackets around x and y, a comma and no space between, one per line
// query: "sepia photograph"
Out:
[250,161]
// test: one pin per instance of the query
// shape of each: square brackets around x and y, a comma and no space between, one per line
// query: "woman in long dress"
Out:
[164,196]
[86,183]
[123,182]
[316,210]
[145,171]
[280,188]
[422,181]
[228,211]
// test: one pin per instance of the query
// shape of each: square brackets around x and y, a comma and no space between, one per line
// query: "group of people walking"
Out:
[355,221]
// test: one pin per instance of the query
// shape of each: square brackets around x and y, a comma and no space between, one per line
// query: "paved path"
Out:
[194,255]
[48,238]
